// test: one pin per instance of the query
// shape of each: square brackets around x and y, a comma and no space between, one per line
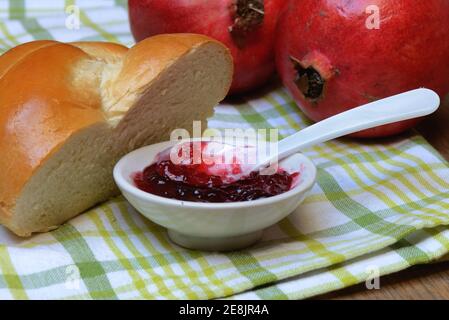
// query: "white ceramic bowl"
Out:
[212,226]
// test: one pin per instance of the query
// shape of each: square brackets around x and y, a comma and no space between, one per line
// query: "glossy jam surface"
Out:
[194,182]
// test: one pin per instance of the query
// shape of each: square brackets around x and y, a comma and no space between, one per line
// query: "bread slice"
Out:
[70,111]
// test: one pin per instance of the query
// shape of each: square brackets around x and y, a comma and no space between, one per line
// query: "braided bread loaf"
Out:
[68,112]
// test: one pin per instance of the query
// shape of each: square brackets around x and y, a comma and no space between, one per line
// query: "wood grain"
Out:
[429,281]
[417,283]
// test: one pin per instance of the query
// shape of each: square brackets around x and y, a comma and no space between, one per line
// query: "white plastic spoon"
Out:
[408,105]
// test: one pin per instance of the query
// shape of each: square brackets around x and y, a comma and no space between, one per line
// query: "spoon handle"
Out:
[404,106]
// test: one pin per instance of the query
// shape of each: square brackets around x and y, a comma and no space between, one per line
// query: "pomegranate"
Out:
[246,27]
[334,55]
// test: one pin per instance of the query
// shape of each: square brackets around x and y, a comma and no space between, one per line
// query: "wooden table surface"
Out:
[430,281]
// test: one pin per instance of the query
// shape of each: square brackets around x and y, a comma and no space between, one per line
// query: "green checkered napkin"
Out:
[377,208]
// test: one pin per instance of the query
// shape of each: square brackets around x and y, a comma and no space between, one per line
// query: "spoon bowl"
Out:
[212,226]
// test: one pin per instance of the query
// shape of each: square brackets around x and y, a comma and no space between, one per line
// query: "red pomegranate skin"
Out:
[359,65]
[253,61]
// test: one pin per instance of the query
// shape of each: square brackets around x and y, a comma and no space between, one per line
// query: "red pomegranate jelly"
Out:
[190,182]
